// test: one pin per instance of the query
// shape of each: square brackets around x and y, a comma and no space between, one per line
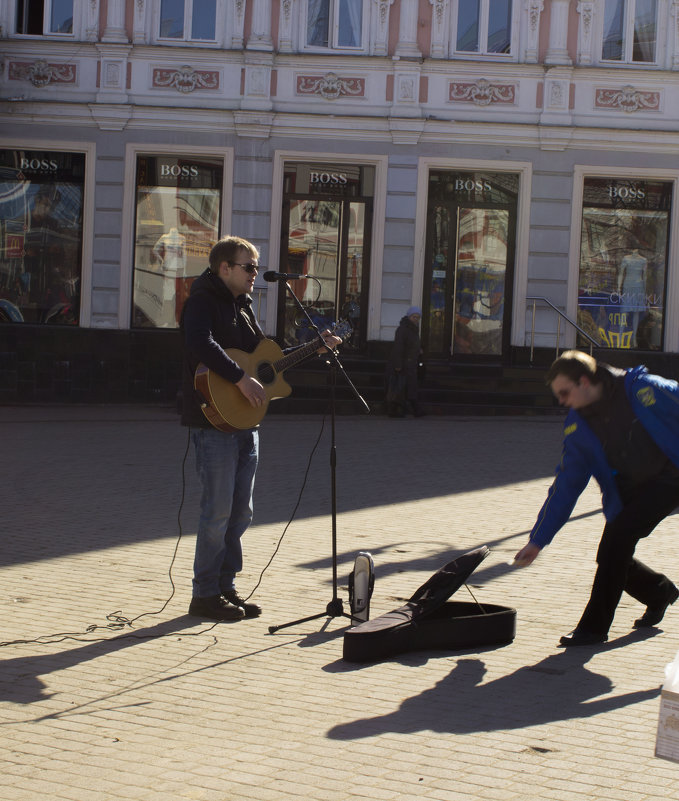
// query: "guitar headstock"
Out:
[342,329]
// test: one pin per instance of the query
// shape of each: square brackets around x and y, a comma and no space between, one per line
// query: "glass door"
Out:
[479,281]
[469,265]
[325,241]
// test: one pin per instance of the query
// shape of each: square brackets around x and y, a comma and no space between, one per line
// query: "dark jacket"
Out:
[405,353]
[213,320]
[655,401]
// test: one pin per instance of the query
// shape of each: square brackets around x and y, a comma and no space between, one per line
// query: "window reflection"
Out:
[177,222]
[623,262]
[41,206]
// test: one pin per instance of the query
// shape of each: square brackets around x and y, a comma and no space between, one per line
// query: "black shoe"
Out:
[250,610]
[654,614]
[579,637]
[214,608]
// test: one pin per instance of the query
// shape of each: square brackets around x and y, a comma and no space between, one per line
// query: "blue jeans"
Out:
[226,464]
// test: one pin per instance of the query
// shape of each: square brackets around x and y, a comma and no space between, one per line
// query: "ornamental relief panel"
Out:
[482,92]
[627,99]
[330,86]
[41,73]
[185,79]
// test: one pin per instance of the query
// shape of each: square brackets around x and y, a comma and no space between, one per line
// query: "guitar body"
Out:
[227,408]
[224,404]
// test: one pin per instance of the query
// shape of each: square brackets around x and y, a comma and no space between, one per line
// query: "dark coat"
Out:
[213,320]
[405,354]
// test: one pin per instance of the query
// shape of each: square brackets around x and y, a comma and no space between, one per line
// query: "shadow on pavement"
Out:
[559,687]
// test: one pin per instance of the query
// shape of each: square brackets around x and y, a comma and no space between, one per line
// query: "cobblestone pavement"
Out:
[172,708]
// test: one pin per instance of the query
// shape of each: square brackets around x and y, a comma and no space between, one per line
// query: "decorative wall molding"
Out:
[585,9]
[482,92]
[626,99]
[534,9]
[41,73]
[185,79]
[330,86]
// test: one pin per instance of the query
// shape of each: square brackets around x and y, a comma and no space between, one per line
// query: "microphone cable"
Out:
[119,621]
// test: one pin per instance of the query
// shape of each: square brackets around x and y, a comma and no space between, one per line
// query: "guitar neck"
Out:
[298,355]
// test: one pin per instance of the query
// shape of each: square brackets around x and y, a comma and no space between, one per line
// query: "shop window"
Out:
[178,208]
[623,262]
[335,24]
[483,27]
[40,17]
[41,214]
[630,29]
[188,20]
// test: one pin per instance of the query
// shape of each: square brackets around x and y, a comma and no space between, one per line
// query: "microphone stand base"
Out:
[334,608]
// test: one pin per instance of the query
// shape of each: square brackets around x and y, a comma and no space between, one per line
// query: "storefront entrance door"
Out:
[468,279]
[326,239]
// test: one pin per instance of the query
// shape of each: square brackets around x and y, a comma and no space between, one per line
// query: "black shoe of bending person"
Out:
[250,609]
[654,614]
[215,608]
[581,637]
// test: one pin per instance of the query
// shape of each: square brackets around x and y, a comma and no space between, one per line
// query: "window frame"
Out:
[628,37]
[334,29]
[484,17]
[186,41]
[665,41]
[77,24]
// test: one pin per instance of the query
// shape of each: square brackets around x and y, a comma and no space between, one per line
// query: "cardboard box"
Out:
[667,740]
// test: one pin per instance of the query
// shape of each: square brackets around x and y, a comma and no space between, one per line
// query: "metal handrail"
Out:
[592,342]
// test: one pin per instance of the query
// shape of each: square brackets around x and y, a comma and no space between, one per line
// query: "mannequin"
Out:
[633,287]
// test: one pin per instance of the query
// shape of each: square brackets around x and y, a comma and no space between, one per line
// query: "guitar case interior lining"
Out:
[429,621]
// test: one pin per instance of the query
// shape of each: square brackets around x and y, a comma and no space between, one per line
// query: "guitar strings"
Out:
[119,621]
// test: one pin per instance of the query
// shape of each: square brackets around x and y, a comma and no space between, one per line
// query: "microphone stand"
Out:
[335,607]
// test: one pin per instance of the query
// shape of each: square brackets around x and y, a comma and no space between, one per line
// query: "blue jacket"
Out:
[655,401]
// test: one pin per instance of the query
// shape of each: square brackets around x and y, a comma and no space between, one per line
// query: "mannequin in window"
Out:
[170,250]
[633,286]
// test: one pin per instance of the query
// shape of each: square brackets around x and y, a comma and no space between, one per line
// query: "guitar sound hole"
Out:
[265,374]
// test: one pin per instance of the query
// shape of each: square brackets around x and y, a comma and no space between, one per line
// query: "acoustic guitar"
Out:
[224,404]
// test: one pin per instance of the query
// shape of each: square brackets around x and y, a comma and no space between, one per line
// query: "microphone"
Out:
[272,275]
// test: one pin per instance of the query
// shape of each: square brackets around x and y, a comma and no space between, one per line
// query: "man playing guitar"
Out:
[217,316]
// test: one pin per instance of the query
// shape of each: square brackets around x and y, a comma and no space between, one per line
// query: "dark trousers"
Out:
[617,569]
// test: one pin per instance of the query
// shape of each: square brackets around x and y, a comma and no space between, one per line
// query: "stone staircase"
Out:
[469,389]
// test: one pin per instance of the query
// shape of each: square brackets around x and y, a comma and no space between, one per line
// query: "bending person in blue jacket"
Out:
[623,429]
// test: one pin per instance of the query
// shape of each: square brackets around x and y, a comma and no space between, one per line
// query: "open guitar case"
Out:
[429,621]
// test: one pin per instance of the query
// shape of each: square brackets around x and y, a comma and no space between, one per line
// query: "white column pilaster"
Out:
[115,22]
[260,34]
[407,29]
[557,52]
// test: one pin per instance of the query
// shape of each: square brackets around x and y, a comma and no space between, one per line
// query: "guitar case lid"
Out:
[429,621]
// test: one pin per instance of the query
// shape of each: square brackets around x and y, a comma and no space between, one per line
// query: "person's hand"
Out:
[330,340]
[252,390]
[527,555]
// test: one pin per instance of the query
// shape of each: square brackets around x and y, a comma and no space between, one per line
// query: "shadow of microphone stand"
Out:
[335,607]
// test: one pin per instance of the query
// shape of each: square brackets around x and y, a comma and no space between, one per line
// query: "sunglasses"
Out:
[249,267]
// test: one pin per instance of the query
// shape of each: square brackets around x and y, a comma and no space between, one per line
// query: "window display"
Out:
[623,261]
[177,222]
[41,211]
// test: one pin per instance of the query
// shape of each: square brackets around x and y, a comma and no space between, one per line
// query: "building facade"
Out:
[465,156]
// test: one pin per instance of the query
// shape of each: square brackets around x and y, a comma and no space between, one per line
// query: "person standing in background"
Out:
[402,378]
